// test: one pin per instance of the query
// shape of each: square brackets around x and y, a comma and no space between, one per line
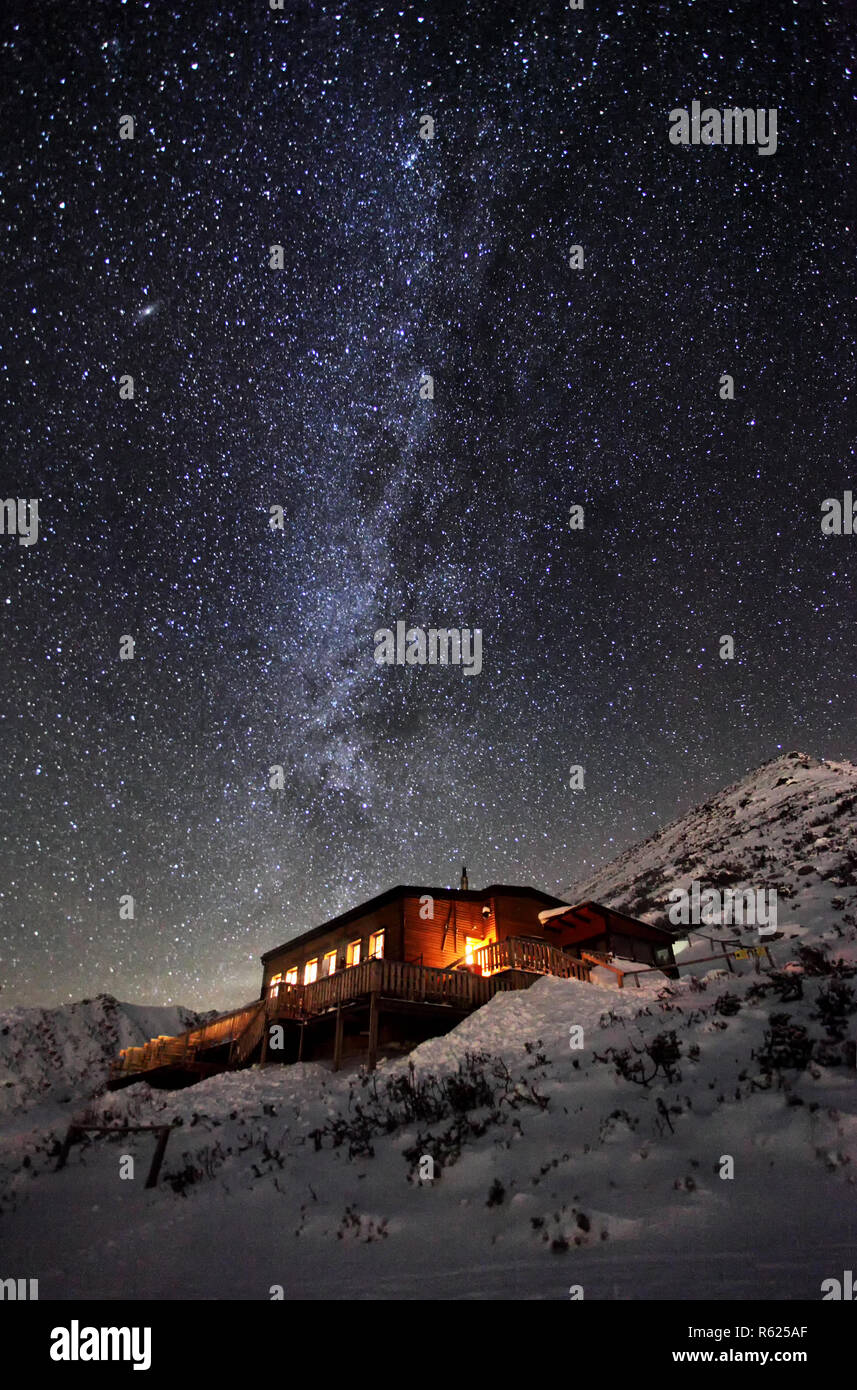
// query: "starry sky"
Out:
[300,387]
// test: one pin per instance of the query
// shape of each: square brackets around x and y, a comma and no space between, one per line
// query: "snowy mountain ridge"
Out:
[56,1055]
[789,825]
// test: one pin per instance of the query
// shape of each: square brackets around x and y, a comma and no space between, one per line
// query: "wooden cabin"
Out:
[407,965]
[436,927]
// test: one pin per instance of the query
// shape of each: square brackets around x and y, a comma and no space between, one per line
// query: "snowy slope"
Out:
[570,1174]
[60,1054]
[789,825]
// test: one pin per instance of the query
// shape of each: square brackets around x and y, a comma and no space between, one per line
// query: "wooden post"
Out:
[301,1042]
[70,1138]
[158,1158]
[729,964]
[337,1040]
[372,1056]
[263,1055]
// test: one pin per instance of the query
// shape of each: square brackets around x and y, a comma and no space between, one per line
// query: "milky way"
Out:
[300,387]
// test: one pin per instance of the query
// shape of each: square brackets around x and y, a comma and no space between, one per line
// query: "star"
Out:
[430,384]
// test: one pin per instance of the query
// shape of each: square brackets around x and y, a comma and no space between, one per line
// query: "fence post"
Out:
[70,1138]
[158,1158]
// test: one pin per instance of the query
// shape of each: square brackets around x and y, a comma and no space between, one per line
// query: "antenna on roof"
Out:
[464,878]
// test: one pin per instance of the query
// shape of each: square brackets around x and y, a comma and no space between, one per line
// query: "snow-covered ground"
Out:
[604,1165]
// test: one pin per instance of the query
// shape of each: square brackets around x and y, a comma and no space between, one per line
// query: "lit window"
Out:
[472,944]
[329,963]
[376,945]
[311,971]
[292,976]
[354,953]
[274,983]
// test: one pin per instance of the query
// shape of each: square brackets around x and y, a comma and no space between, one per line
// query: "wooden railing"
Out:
[605,962]
[535,957]
[185,1047]
[398,979]
[160,1052]
[461,988]
[221,1030]
[426,983]
[250,1036]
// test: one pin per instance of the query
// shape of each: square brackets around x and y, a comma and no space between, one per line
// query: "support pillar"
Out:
[337,1040]
[372,1055]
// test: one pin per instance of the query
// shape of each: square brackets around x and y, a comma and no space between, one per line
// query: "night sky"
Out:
[300,387]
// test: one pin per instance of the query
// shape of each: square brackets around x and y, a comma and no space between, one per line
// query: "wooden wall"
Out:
[520,917]
[387,919]
[630,947]
[436,941]
[442,940]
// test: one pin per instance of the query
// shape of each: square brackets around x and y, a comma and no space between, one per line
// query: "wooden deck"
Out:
[234,1037]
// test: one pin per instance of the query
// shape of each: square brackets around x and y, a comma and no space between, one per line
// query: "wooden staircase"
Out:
[244,1045]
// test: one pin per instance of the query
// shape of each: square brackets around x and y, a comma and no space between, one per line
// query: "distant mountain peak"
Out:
[64,1053]
[789,824]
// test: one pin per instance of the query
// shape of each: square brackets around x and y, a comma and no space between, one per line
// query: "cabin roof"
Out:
[591,918]
[464,895]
